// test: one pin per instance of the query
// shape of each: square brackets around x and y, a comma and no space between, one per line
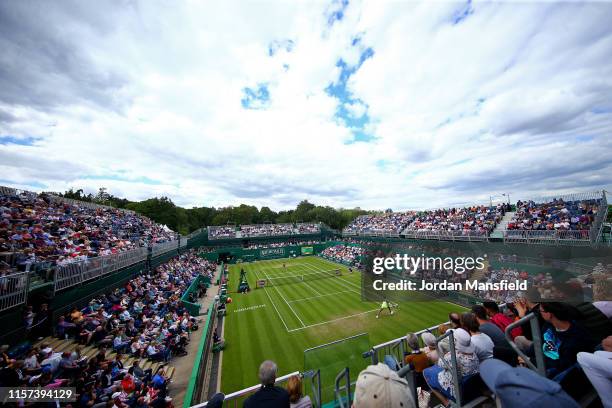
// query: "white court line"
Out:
[245,309]
[344,283]
[319,296]
[277,312]
[334,320]
[347,282]
[281,295]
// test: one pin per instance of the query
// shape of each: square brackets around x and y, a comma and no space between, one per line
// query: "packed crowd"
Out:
[260,230]
[222,232]
[308,228]
[344,253]
[481,219]
[494,275]
[482,349]
[484,359]
[40,229]
[280,244]
[266,229]
[389,222]
[554,215]
[144,319]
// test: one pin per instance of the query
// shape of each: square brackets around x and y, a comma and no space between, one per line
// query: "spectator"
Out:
[524,306]
[598,369]
[562,337]
[296,397]
[440,378]
[416,359]
[483,344]
[430,349]
[269,395]
[347,254]
[501,347]
[379,387]
[499,319]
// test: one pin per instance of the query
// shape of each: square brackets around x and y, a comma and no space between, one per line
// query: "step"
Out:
[169,372]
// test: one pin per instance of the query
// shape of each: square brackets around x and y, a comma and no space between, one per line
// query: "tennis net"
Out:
[305,277]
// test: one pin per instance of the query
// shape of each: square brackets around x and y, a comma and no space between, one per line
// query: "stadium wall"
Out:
[238,254]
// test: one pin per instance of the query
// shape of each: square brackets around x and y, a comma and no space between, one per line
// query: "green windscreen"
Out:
[307,250]
[334,357]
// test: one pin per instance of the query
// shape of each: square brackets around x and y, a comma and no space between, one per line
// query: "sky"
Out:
[403,105]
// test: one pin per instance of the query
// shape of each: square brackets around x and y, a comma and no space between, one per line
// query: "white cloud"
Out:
[147,100]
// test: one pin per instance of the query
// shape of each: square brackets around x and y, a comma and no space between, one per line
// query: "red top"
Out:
[502,321]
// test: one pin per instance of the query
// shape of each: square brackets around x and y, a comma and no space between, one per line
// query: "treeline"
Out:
[185,220]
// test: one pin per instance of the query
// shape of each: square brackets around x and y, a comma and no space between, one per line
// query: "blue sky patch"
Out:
[32,184]
[338,89]
[280,45]
[22,141]
[336,11]
[255,98]
[464,12]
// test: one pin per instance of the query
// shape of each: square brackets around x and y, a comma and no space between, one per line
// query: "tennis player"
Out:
[383,306]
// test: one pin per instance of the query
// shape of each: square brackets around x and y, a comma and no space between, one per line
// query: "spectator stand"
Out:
[569,234]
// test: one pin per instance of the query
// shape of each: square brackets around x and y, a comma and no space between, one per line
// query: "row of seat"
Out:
[63,345]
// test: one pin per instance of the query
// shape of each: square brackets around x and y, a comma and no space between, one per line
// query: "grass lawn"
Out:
[279,322]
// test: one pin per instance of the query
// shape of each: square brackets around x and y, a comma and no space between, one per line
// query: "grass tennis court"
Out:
[307,305]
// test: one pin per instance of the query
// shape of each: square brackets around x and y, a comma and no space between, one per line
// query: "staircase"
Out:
[498,232]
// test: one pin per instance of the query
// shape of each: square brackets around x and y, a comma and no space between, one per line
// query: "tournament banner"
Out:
[307,250]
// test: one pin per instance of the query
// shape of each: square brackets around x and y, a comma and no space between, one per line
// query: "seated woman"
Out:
[440,378]
[430,348]
[416,359]
[296,397]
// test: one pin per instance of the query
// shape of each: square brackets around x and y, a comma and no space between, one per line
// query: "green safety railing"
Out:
[195,379]
[194,308]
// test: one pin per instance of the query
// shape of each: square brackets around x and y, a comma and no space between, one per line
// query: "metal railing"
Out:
[76,273]
[395,347]
[539,367]
[548,237]
[13,290]
[236,396]
[92,206]
[162,248]
[459,235]
[573,267]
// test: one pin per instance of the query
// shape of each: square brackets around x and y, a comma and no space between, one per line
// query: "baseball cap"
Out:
[380,387]
[519,387]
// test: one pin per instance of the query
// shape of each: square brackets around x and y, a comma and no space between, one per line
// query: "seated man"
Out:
[120,342]
[562,337]
[269,395]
